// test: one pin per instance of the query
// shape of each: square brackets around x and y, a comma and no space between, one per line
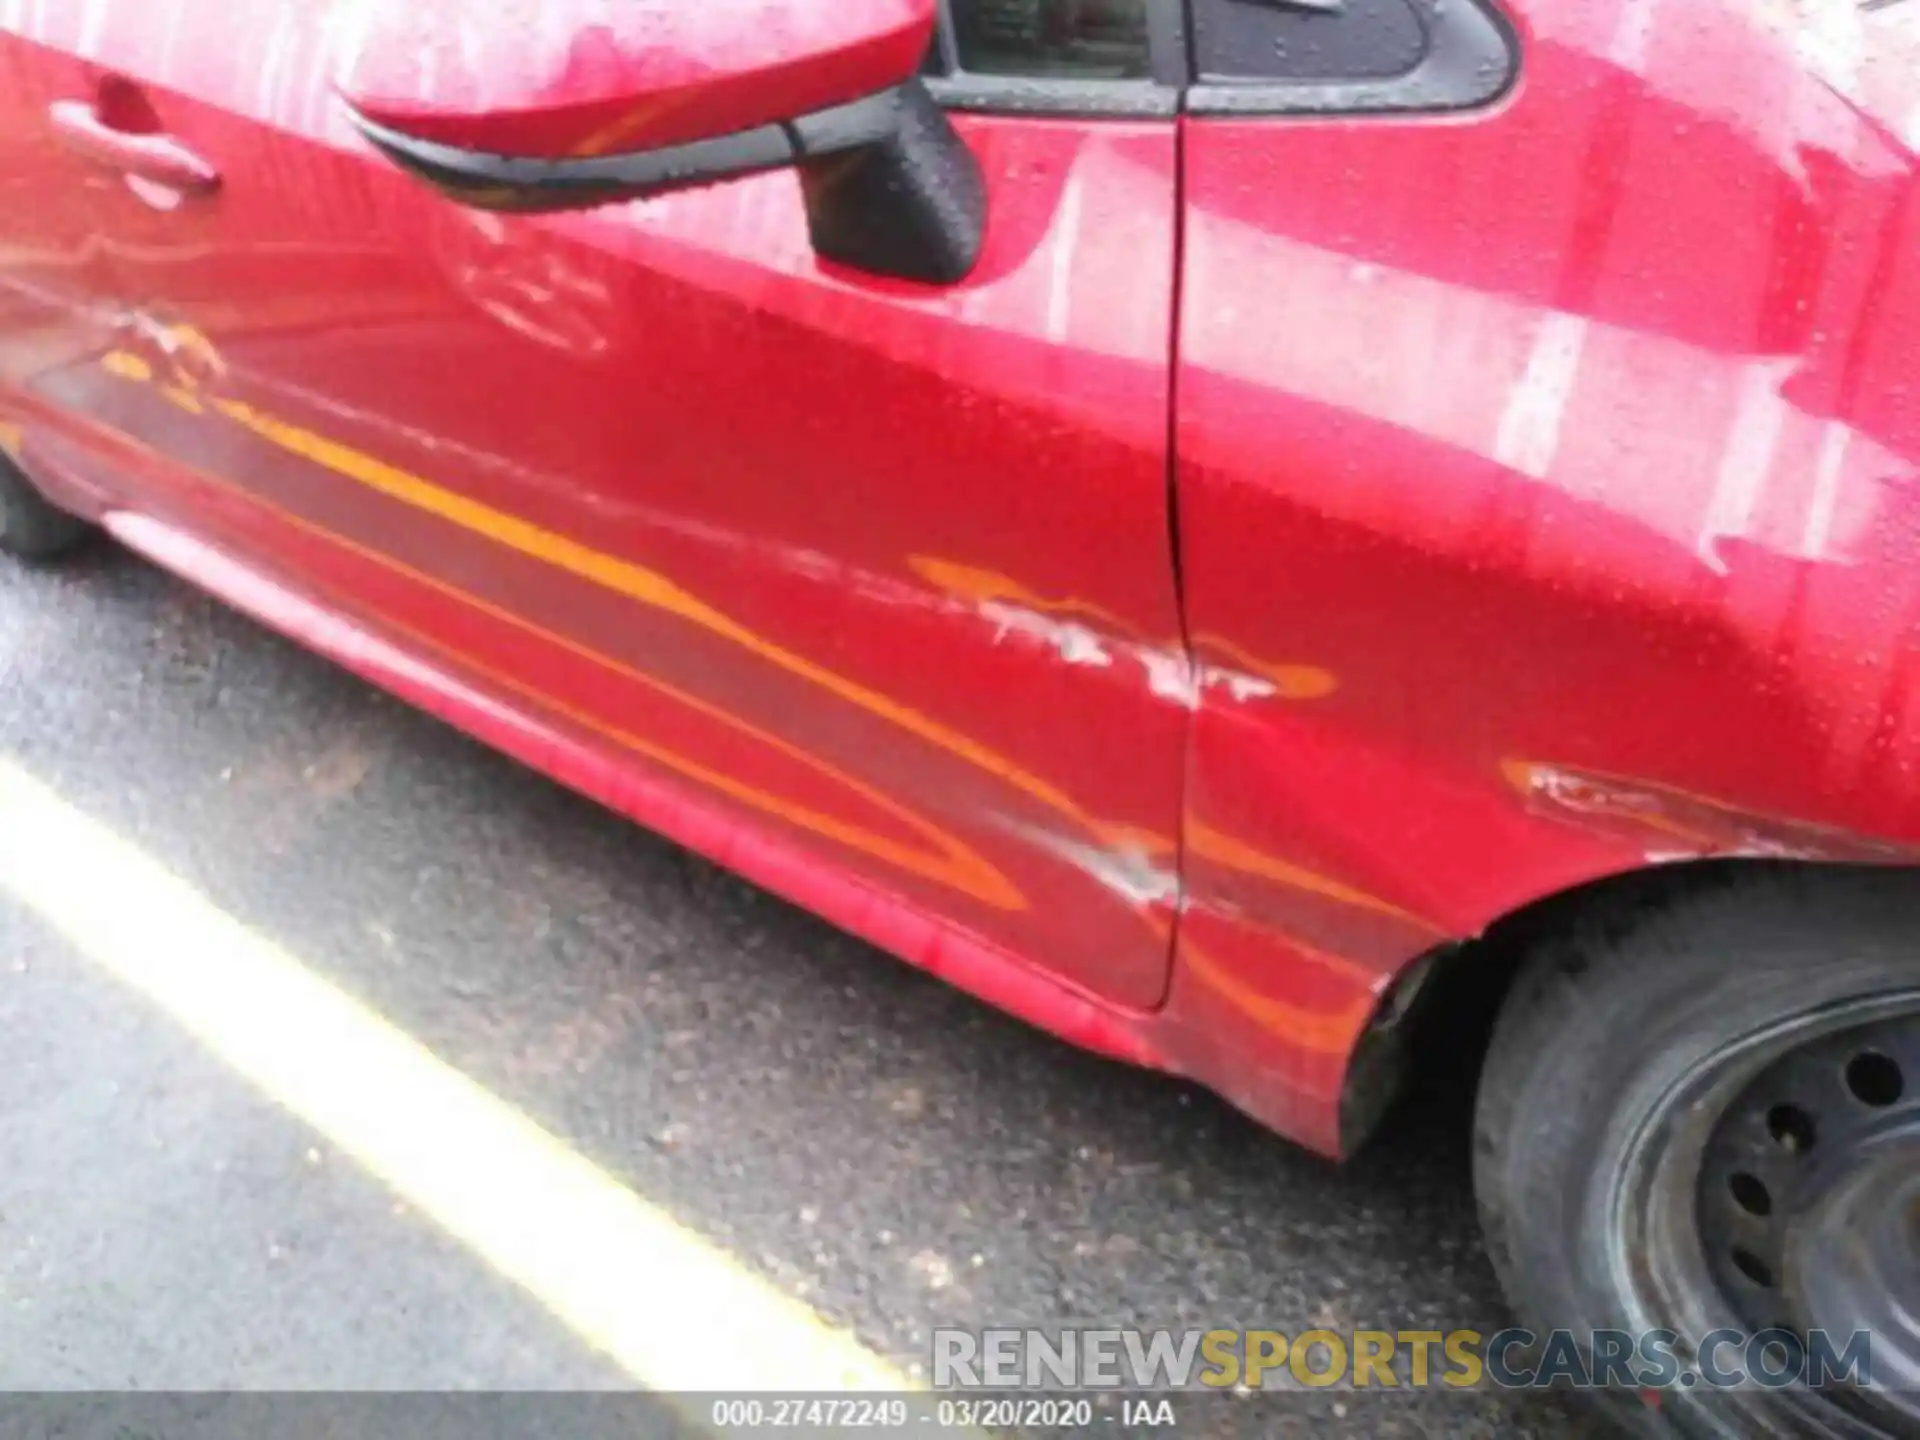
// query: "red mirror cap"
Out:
[549,79]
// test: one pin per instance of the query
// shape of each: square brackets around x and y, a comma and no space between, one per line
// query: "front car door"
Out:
[863,584]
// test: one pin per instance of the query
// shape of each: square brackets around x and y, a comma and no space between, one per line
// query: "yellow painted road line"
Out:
[673,1310]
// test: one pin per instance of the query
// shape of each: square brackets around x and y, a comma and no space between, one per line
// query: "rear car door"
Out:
[1555,481]
[881,569]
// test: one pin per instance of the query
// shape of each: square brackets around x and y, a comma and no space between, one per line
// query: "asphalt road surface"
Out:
[856,1134]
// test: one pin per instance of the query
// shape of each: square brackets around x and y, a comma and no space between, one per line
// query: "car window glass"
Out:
[1053,39]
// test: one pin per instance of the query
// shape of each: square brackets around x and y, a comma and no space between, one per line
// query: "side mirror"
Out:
[569,104]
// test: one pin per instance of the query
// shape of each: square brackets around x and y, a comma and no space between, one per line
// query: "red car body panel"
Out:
[56,309]
[1560,477]
[1543,476]
[798,538]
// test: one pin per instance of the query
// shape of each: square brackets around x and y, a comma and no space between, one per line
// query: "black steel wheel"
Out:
[1809,1196]
[1776,1191]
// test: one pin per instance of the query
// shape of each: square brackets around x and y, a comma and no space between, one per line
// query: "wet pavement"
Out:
[859,1135]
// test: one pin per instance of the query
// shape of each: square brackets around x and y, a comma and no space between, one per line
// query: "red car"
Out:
[1207,525]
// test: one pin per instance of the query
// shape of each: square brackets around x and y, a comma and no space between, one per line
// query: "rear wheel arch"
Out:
[1435,1023]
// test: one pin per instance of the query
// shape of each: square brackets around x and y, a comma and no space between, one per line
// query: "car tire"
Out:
[1690,1111]
[32,527]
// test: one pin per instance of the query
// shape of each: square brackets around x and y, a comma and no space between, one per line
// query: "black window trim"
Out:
[1473,62]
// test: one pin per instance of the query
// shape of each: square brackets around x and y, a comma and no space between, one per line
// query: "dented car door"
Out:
[876,574]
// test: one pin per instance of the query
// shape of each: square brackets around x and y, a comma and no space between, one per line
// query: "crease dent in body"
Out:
[1170,672]
[1126,869]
